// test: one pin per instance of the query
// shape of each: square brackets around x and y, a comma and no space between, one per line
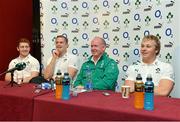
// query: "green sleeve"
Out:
[109,78]
[79,78]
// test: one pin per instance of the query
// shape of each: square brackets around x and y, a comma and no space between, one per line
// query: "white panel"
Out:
[122,23]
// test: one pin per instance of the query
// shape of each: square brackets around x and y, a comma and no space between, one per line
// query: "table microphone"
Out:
[18,66]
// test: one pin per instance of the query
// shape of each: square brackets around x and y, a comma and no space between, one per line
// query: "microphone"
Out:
[19,67]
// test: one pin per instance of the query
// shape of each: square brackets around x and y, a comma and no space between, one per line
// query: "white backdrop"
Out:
[122,23]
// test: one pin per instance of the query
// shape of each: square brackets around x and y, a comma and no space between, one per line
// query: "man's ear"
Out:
[17,48]
[156,51]
[104,48]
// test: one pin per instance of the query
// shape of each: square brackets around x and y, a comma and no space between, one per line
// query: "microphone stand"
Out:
[12,82]
[19,66]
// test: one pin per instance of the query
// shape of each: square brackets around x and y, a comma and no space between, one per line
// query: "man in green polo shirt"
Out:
[104,70]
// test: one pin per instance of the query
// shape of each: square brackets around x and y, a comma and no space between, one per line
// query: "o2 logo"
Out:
[168,32]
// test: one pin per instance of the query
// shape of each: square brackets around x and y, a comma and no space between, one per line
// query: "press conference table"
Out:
[22,103]
[16,103]
[95,106]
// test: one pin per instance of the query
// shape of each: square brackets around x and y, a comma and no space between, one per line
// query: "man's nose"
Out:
[143,48]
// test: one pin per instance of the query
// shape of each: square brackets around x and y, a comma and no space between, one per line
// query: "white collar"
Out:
[155,62]
[95,62]
[27,57]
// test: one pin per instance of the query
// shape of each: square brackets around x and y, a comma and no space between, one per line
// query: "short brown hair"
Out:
[156,40]
[65,38]
[25,40]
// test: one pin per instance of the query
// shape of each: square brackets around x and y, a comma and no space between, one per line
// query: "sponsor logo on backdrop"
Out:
[121,23]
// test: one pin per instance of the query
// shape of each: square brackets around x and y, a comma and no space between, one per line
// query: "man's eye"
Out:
[24,47]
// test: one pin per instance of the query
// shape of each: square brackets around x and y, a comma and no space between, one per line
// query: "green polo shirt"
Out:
[104,73]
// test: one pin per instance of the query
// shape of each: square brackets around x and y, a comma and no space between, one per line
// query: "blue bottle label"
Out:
[88,86]
[149,89]
[149,101]
[66,92]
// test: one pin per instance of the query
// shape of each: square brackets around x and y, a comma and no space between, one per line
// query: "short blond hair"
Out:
[156,40]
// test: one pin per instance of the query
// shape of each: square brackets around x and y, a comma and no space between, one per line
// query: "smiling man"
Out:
[32,65]
[162,73]
[104,70]
[61,60]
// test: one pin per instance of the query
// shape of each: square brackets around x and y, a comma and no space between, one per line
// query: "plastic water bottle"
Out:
[66,87]
[52,84]
[149,93]
[59,87]
[139,93]
[88,84]
[117,88]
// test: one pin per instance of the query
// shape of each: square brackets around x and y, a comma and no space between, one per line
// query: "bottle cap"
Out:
[149,77]
[139,77]
[58,72]
[66,73]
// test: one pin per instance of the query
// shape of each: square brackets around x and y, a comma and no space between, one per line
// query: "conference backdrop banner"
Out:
[122,23]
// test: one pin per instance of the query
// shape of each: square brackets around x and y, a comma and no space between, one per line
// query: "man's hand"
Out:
[56,53]
[80,87]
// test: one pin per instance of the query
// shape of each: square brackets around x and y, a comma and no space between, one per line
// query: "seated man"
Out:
[104,69]
[32,65]
[162,73]
[61,60]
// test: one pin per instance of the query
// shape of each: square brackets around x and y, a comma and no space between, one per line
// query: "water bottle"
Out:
[66,87]
[88,84]
[59,87]
[139,93]
[52,84]
[149,93]
[117,88]
[19,77]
